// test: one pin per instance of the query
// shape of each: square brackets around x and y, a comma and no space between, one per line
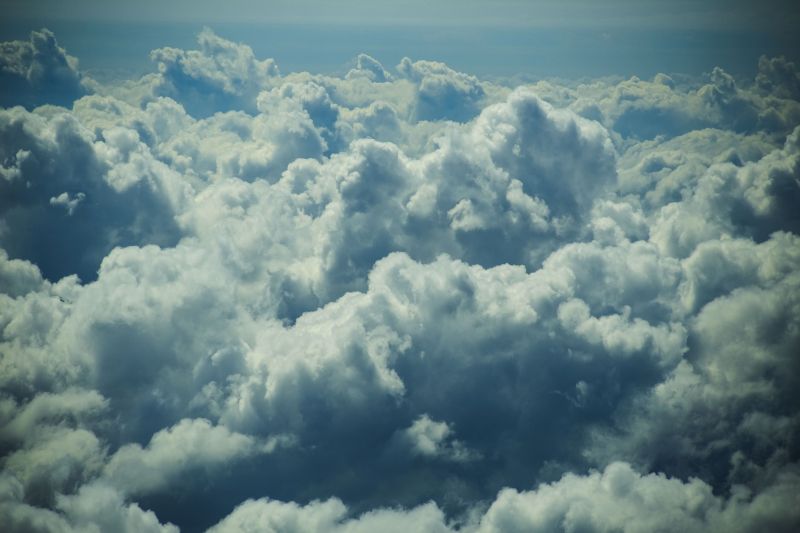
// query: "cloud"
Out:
[778,76]
[221,75]
[430,439]
[441,92]
[750,200]
[98,507]
[38,72]
[266,515]
[235,144]
[643,109]
[716,268]
[370,68]
[112,190]
[739,338]
[174,453]
[18,277]
[619,498]
[421,301]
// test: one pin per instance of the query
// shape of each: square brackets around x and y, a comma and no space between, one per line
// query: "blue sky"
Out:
[775,15]
[539,38]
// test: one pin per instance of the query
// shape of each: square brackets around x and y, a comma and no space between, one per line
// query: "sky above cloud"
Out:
[535,38]
[398,293]
[680,14]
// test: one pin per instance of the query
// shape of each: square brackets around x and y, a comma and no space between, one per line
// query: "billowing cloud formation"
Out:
[39,72]
[406,301]
[63,182]
[221,75]
[442,93]
[617,499]
[369,68]
[172,452]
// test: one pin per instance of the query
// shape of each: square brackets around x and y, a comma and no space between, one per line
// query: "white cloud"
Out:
[642,109]
[441,92]
[176,452]
[616,499]
[99,508]
[430,439]
[275,516]
[115,191]
[348,303]
[38,72]
[620,499]
[370,68]
[18,277]
[221,75]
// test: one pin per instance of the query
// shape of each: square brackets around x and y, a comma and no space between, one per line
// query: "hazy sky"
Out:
[538,38]
[773,15]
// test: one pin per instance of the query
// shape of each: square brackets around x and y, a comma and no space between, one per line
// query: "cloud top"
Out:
[403,299]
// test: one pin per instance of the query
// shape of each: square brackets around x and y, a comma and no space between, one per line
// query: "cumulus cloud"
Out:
[645,109]
[64,182]
[750,199]
[616,499]
[330,515]
[94,508]
[430,439]
[778,76]
[220,75]
[441,92]
[411,300]
[620,499]
[38,72]
[175,452]
[370,68]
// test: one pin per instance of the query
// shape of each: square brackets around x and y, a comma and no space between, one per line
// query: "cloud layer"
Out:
[402,299]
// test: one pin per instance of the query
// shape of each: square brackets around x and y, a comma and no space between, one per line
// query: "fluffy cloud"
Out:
[430,439]
[175,452]
[370,68]
[330,515]
[94,508]
[644,109]
[406,301]
[220,75]
[63,182]
[750,199]
[18,277]
[442,93]
[39,71]
[619,499]
[778,76]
